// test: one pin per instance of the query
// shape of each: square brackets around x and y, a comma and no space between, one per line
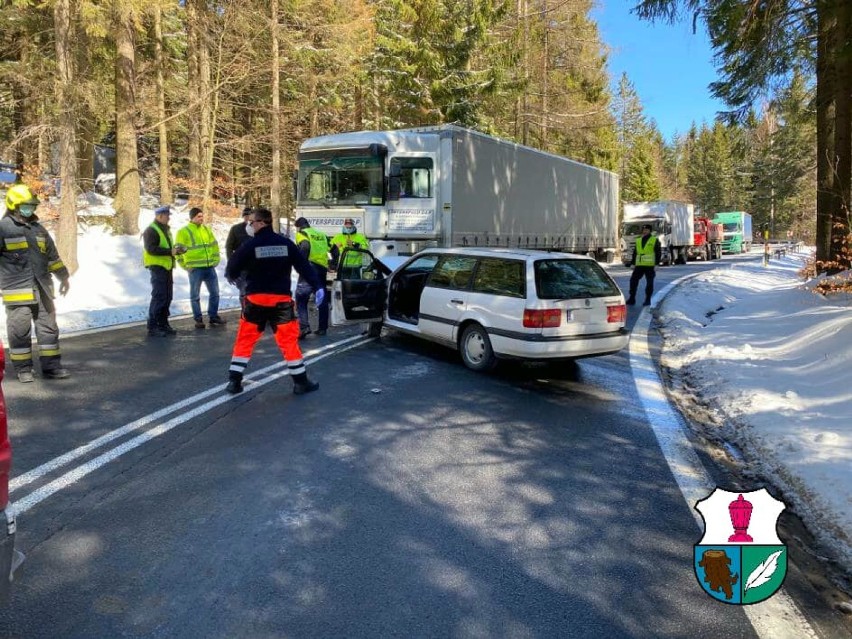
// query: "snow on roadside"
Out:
[772,360]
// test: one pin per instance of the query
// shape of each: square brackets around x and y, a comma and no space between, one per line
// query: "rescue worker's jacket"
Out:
[28,257]
[645,255]
[267,258]
[202,249]
[160,237]
[319,245]
[351,240]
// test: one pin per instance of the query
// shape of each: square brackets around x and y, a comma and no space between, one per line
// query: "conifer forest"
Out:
[211,98]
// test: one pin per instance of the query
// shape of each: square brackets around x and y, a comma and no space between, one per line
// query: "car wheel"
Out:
[475,349]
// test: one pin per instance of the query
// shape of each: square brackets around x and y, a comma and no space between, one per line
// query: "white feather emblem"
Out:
[764,571]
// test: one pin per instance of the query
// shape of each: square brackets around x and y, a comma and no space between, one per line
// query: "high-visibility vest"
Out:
[344,240]
[319,245]
[202,249]
[166,261]
[645,255]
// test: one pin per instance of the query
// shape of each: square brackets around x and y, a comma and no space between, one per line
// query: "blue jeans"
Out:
[211,281]
[303,294]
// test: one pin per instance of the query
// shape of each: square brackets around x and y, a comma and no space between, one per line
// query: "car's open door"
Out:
[359,290]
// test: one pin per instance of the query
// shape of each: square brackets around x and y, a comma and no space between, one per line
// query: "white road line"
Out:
[778,617]
[27,502]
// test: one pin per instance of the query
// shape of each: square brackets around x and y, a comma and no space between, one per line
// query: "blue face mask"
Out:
[349,230]
[26,210]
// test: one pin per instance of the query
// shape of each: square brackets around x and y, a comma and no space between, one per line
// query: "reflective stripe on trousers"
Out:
[286,336]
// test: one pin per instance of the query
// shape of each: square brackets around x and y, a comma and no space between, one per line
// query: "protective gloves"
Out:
[319,296]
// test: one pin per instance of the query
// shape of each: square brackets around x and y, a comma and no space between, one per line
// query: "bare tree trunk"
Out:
[825,132]
[544,68]
[206,109]
[126,158]
[162,129]
[66,235]
[210,110]
[843,132]
[275,188]
[194,80]
[525,129]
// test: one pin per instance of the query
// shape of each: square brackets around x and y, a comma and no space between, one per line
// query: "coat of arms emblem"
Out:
[740,559]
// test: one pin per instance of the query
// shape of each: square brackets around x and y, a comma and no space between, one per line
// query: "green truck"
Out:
[737,235]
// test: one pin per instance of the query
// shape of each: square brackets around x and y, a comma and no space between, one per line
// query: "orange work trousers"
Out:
[286,333]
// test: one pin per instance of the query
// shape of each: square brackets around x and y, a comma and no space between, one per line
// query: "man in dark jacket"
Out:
[267,259]
[158,256]
[28,258]
[237,236]
[646,255]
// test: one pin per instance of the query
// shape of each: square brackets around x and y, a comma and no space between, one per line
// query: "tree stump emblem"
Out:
[740,559]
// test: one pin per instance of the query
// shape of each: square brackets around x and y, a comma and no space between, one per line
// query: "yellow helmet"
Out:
[19,194]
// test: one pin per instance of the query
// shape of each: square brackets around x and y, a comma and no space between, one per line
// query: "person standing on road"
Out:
[237,236]
[158,256]
[349,237]
[267,259]
[200,261]
[645,257]
[314,246]
[28,258]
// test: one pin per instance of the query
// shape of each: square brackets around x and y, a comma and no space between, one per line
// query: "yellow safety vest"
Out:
[202,249]
[645,255]
[319,245]
[342,241]
[166,261]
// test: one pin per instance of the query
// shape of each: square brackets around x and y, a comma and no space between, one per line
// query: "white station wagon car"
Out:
[489,303]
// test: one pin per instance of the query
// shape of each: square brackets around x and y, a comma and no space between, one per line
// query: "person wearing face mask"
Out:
[28,258]
[267,260]
[348,238]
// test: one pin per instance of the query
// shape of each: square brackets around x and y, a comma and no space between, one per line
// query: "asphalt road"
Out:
[408,497]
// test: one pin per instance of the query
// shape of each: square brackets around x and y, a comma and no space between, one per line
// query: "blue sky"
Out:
[669,66]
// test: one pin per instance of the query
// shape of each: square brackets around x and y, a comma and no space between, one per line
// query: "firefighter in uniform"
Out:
[314,245]
[348,238]
[267,259]
[28,258]
[645,258]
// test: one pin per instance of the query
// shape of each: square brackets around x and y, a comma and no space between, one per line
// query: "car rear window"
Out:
[569,279]
[500,277]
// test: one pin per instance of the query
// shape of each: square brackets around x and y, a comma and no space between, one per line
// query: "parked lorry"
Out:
[737,229]
[672,222]
[446,186]
[708,240]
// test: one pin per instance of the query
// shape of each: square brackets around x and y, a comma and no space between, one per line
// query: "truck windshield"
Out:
[732,227]
[336,178]
[635,228]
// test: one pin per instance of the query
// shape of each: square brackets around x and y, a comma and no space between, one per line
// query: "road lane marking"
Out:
[63,460]
[775,618]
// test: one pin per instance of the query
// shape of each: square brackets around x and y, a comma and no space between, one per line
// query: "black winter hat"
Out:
[301,223]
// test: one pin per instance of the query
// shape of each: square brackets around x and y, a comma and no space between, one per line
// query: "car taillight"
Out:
[534,318]
[616,314]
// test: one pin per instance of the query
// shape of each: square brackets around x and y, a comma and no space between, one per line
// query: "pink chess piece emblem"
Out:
[740,511]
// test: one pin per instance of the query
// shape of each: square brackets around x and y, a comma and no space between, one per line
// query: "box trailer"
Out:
[447,186]
[673,223]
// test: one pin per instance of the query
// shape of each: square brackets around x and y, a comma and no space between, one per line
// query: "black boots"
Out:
[235,383]
[630,301]
[302,385]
